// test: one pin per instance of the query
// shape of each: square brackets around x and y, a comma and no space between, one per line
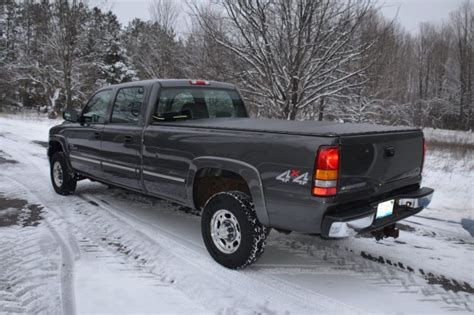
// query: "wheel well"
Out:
[54,146]
[210,181]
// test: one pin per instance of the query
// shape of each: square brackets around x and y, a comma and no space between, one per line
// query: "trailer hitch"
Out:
[388,231]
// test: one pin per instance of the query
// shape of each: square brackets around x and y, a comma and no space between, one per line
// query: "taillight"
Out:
[199,82]
[326,172]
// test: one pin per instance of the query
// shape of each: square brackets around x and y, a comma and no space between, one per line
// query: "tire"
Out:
[65,183]
[228,213]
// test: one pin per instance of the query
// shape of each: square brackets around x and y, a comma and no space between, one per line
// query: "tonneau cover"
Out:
[311,128]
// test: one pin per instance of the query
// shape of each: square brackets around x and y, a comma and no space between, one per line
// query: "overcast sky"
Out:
[410,13]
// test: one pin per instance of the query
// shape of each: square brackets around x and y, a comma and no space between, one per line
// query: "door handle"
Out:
[128,139]
[97,135]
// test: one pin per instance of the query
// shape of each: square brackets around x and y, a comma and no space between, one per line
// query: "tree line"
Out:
[293,59]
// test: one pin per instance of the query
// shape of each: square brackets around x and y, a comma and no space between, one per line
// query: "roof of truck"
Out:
[174,83]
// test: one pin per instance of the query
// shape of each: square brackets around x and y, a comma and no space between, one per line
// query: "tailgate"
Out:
[377,163]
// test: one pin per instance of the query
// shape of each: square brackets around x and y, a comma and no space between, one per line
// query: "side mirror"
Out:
[70,115]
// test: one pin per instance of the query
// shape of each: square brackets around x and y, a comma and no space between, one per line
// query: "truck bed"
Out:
[374,160]
[309,128]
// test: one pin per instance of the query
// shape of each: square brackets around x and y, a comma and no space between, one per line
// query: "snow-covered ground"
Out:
[112,251]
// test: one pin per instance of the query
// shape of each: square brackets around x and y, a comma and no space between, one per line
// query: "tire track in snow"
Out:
[346,261]
[339,261]
[233,277]
[28,262]
[67,273]
[429,231]
[108,231]
[329,258]
[11,303]
[66,247]
[248,279]
[66,260]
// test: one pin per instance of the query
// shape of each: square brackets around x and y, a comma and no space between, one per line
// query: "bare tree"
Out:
[205,58]
[296,50]
[154,51]
[62,44]
[165,13]
[463,24]
[362,100]
[432,49]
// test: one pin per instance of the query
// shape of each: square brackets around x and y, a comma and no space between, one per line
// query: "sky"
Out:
[410,13]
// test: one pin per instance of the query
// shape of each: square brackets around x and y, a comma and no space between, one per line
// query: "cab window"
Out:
[128,105]
[95,111]
[198,103]
[219,104]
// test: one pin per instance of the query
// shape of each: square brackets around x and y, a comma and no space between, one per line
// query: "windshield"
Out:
[198,103]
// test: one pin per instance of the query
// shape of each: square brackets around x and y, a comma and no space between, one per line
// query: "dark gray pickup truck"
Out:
[192,142]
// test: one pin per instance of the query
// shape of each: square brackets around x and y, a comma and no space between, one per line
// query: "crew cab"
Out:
[192,142]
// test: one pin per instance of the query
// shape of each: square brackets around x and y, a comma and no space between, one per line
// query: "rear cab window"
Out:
[198,103]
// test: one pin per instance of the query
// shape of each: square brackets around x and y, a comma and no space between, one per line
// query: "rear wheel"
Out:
[231,231]
[62,177]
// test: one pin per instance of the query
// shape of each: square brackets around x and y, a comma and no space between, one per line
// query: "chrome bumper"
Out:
[405,206]
[421,202]
[350,228]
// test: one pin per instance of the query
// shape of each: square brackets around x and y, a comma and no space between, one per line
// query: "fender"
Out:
[63,142]
[248,172]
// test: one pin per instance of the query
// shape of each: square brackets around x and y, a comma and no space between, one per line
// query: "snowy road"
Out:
[108,250]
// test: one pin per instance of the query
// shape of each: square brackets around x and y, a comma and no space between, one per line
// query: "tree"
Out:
[463,24]
[153,51]
[205,57]
[58,53]
[295,50]
[105,50]
[68,17]
[294,59]
[432,50]
[165,13]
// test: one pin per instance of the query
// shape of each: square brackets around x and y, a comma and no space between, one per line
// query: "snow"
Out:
[103,291]
[449,168]
[112,251]
[449,136]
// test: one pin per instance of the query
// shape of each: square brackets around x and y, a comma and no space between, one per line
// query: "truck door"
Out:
[166,156]
[85,141]
[121,138]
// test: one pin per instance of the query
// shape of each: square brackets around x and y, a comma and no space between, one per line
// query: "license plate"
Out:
[385,209]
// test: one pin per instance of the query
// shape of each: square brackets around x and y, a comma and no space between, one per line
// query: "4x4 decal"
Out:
[294,176]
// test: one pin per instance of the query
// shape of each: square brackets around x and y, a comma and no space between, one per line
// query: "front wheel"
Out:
[231,231]
[62,177]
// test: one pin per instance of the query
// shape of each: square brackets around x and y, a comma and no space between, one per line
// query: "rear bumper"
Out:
[362,220]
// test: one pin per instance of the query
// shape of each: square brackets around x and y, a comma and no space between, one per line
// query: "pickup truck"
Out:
[192,142]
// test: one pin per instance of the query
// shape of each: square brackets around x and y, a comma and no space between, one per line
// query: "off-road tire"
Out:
[69,180]
[253,234]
